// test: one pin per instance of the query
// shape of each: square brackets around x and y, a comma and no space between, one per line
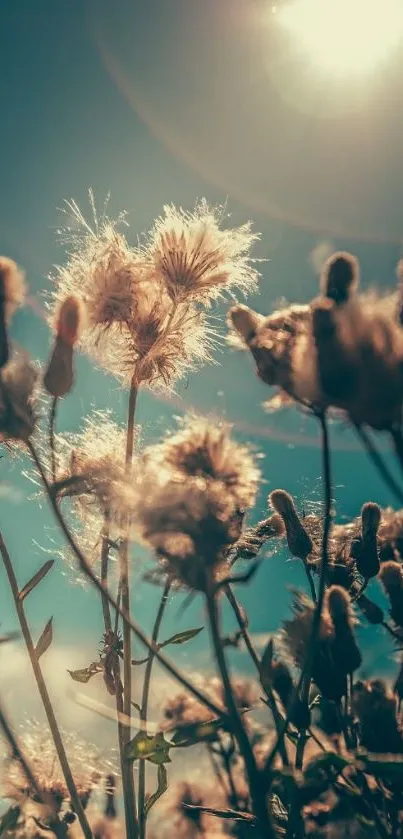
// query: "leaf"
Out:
[140,660]
[198,732]
[86,673]
[33,582]
[136,706]
[142,747]
[162,787]
[234,815]
[45,639]
[181,637]
[9,819]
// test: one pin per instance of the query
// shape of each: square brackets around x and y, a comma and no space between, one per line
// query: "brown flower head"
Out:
[391,577]
[375,706]
[192,491]
[298,539]
[196,258]
[340,276]
[345,651]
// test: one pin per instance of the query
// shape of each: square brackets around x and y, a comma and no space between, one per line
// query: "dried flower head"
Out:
[340,276]
[254,538]
[196,258]
[391,577]
[364,549]
[375,706]
[192,490]
[59,376]
[299,541]
[17,384]
[133,328]
[12,286]
[345,651]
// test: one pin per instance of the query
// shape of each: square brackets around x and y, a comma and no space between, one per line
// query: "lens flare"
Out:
[344,37]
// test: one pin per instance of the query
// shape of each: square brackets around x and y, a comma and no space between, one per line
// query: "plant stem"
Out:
[144,705]
[165,662]
[396,434]
[327,518]
[54,728]
[52,421]
[380,464]
[252,652]
[255,778]
[132,828]
[310,581]
[104,574]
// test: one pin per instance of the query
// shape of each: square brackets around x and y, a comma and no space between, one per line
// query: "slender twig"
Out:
[144,705]
[46,701]
[52,422]
[226,759]
[216,769]
[379,463]
[309,659]
[86,568]
[396,434]
[252,652]
[311,583]
[255,779]
[104,574]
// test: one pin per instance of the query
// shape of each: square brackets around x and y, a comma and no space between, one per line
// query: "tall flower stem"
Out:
[144,704]
[52,423]
[252,652]
[43,691]
[380,464]
[306,671]
[104,574]
[86,568]
[132,828]
[255,778]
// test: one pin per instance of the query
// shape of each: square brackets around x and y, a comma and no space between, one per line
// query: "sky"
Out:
[169,101]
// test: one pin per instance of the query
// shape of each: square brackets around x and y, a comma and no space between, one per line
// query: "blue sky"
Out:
[172,100]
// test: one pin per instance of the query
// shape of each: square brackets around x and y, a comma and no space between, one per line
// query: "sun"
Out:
[344,37]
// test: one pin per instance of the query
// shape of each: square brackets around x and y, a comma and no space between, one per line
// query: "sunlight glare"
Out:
[344,36]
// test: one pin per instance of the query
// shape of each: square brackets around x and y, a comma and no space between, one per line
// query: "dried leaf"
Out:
[45,639]
[86,673]
[33,582]
[142,747]
[234,815]
[181,637]
[162,777]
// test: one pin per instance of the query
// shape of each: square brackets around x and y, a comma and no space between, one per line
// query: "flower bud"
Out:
[298,540]
[373,613]
[365,549]
[345,650]
[340,277]
[245,321]
[391,577]
[59,377]
[69,320]
[11,294]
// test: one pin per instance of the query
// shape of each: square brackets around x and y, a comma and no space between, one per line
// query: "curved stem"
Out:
[379,464]
[255,779]
[144,704]
[327,519]
[136,629]
[252,652]
[54,728]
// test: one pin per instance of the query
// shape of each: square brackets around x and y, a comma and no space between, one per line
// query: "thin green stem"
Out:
[43,691]
[255,779]
[144,705]
[136,629]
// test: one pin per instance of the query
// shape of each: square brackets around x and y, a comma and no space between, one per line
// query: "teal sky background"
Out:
[172,100]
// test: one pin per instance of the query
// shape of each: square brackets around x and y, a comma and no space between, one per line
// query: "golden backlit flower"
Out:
[197,259]
[191,494]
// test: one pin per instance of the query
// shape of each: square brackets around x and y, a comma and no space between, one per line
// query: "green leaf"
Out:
[234,815]
[9,819]
[33,582]
[181,637]
[142,747]
[45,639]
[198,732]
[162,777]
[86,673]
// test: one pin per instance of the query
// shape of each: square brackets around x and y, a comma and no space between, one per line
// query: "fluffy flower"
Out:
[17,414]
[197,259]
[134,329]
[192,491]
